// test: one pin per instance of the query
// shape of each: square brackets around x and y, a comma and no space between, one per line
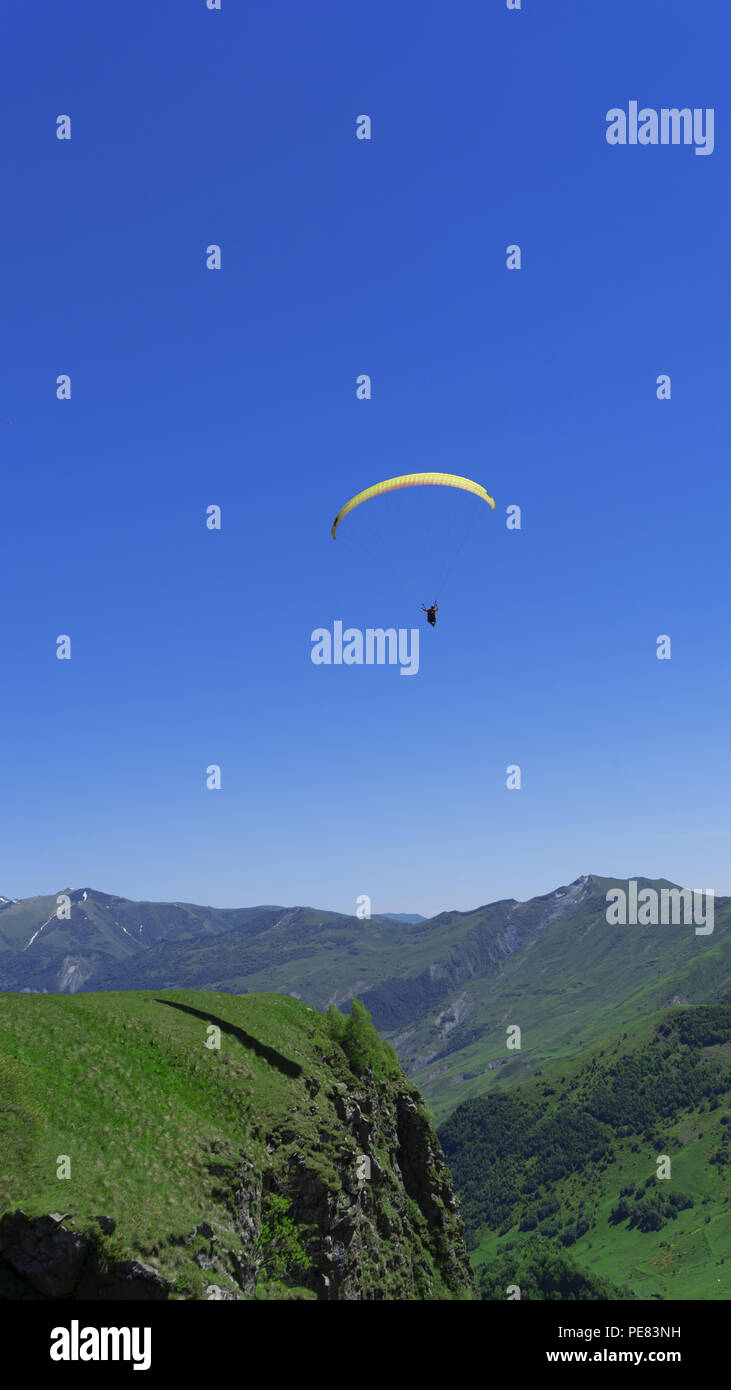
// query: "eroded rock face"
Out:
[395,1234]
[51,1261]
[43,1253]
[132,1279]
[73,973]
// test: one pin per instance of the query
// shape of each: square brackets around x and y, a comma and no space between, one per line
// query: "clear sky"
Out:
[192,387]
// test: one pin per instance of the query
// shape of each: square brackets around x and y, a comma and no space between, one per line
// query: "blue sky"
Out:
[192,387]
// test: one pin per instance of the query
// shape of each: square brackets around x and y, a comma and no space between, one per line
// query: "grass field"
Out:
[150,1121]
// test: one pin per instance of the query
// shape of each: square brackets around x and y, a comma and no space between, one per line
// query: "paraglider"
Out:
[411,480]
[425,536]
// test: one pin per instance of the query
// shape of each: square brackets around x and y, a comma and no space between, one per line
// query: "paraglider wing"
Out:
[412,480]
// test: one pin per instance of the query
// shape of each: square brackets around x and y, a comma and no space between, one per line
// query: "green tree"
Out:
[361,1042]
[279,1252]
[335,1023]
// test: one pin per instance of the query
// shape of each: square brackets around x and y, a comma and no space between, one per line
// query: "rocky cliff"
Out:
[337,1175]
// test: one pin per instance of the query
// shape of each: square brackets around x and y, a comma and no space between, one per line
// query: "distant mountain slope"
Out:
[103,922]
[409,917]
[566,1162]
[444,990]
[565,977]
[40,950]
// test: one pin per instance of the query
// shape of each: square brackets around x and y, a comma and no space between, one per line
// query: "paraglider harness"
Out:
[431,614]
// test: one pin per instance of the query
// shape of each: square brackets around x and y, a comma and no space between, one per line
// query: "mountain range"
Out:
[444,990]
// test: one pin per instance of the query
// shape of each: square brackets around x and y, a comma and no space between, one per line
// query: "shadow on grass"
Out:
[268,1054]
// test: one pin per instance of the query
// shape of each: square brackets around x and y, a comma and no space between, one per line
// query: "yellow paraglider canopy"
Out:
[412,480]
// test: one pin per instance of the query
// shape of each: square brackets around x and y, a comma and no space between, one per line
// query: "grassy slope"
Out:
[689,1257]
[124,1085]
[157,1125]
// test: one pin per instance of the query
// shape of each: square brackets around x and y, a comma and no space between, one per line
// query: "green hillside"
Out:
[576,980]
[563,1166]
[182,1146]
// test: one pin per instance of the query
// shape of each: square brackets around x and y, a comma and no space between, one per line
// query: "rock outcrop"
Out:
[369,1195]
[43,1258]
